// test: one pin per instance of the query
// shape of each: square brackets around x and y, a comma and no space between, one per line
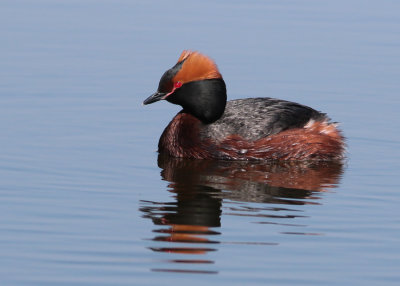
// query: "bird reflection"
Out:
[202,189]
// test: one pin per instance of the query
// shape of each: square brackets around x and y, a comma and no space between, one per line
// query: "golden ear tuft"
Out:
[196,66]
[184,55]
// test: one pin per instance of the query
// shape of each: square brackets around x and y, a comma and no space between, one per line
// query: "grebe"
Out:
[210,127]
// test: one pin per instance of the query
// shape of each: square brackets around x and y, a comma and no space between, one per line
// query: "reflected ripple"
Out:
[204,190]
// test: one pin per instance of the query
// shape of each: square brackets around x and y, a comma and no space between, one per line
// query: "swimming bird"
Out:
[260,128]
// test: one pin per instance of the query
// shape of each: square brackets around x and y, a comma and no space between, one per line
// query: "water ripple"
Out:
[204,191]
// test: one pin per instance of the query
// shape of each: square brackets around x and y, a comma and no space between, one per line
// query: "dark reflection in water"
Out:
[202,189]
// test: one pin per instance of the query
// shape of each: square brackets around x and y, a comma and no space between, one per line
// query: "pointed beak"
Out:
[154,97]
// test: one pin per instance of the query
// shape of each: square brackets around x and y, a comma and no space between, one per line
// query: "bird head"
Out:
[195,83]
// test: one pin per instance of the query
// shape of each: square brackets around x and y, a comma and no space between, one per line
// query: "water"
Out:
[86,200]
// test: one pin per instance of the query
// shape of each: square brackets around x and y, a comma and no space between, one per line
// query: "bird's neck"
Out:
[204,99]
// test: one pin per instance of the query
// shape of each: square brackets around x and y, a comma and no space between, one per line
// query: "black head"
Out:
[196,84]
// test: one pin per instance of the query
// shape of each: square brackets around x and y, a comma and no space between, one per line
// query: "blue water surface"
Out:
[86,200]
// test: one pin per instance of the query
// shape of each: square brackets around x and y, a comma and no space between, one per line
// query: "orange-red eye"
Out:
[178,84]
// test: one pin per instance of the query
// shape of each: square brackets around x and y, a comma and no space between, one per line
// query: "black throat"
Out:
[204,99]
